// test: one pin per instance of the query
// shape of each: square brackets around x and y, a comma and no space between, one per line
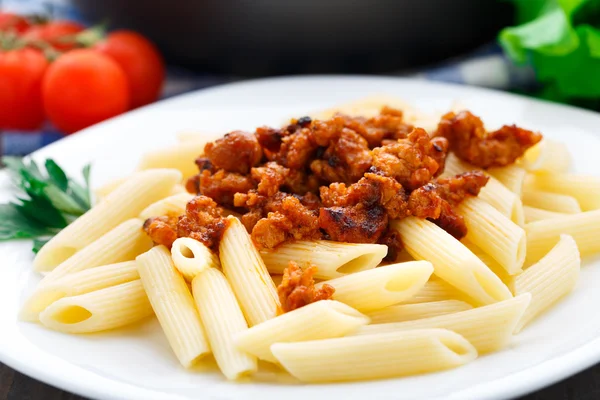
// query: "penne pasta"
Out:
[380,287]
[494,193]
[333,259]
[533,214]
[494,233]
[222,320]
[125,202]
[451,260]
[548,156]
[560,203]
[173,305]
[108,188]
[247,274]
[488,328]
[492,264]
[180,156]
[543,235]
[584,188]
[101,310]
[173,205]
[77,283]
[123,243]
[319,320]
[511,176]
[550,279]
[192,257]
[435,290]
[375,356]
[409,312]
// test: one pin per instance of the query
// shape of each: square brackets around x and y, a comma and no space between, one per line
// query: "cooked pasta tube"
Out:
[494,233]
[104,190]
[553,277]
[511,176]
[451,260]
[333,259]
[222,319]
[561,203]
[548,156]
[125,202]
[488,328]
[123,243]
[380,287]
[173,205]
[75,284]
[180,156]
[435,290]
[409,312]
[319,320]
[173,305]
[494,192]
[101,310]
[192,257]
[492,264]
[247,274]
[533,214]
[374,356]
[583,227]
[585,188]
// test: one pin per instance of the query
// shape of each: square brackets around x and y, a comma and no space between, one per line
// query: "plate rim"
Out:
[515,384]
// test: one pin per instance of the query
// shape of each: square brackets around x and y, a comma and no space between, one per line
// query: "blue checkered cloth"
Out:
[485,67]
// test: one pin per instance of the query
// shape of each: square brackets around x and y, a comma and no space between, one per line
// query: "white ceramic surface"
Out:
[136,363]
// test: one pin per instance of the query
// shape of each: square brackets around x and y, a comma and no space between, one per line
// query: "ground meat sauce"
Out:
[339,179]
[297,287]
[470,141]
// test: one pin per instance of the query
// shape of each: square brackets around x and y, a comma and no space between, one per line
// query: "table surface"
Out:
[16,386]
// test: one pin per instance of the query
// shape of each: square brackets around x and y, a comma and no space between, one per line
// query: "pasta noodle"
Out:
[583,227]
[409,312]
[247,274]
[375,356]
[495,234]
[101,310]
[451,260]
[77,283]
[125,202]
[173,205]
[180,156]
[490,262]
[380,287]
[548,156]
[554,276]
[585,188]
[511,176]
[435,290]
[192,257]
[333,259]
[173,305]
[533,214]
[108,188]
[319,320]
[488,328]
[222,319]
[561,203]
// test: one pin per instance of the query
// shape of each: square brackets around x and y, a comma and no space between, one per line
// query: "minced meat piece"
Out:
[297,288]
[162,230]
[237,151]
[203,221]
[270,177]
[393,242]
[222,186]
[346,159]
[388,125]
[296,150]
[290,220]
[413,161]
[470,141]
[353,224]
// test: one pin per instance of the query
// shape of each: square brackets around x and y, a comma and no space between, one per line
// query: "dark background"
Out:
[16,386]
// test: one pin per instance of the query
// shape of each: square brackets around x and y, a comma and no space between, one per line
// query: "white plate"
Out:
[136,363]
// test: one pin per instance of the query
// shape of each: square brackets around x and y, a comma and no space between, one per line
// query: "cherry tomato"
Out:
[21,73]
[141,62]
[13,22]
[55,33]
[83,87]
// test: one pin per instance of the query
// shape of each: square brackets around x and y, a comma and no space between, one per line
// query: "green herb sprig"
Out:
[48,200]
